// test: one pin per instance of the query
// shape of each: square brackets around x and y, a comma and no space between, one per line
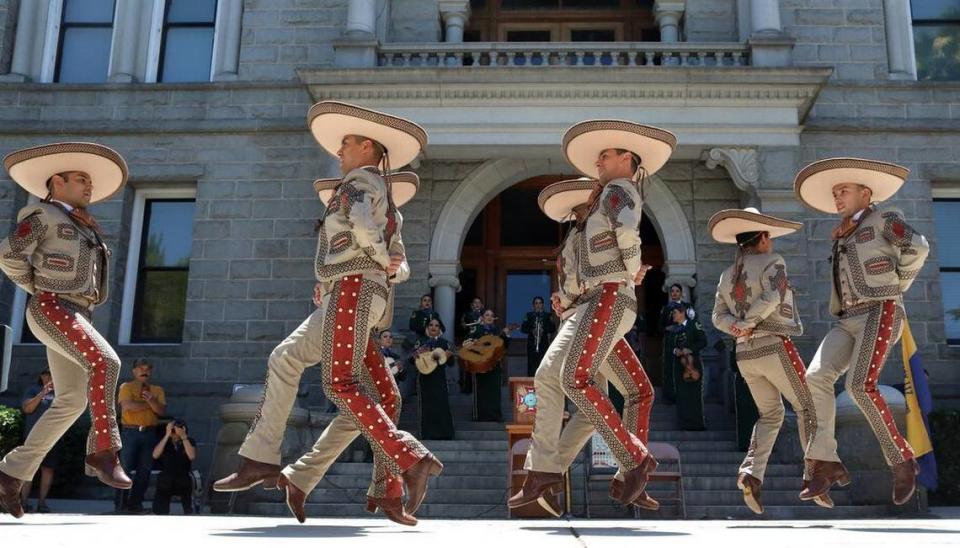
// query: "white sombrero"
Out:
[814,184]
[727,223]
[32,167]
[583,143]
[558,200]
[331,121]
[403,184]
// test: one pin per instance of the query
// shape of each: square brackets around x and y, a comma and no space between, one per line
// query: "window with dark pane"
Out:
[936,38]
[522,223]
[165,245]
[186,49]
[946,221]
[86,32]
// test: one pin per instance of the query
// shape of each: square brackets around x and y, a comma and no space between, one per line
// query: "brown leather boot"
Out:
[635,481]
[535,485]
[10,495]
[823,501]
[295,498]
[823,474]
[644,501]
[250,474]
[751,487]
[904,481]
[105,465]
[392,508]
[416,479]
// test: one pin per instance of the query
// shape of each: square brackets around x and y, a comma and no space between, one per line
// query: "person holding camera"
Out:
[174,453]
[142,404]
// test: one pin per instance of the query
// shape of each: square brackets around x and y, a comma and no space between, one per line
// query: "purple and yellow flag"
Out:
[919,405]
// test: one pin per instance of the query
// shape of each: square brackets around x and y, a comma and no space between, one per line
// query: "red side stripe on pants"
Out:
[583,375]
[880,347]
[635,369]
[63,319]
[370,415]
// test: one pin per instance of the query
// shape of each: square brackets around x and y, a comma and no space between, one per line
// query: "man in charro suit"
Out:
[57,255]
[876,255]
[359,257]
[619,155]
[755,304]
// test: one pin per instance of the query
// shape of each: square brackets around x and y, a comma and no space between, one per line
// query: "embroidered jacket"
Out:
[49,251]
[877,261]
[761,298]
[359,229]
[567,271]
[609,246]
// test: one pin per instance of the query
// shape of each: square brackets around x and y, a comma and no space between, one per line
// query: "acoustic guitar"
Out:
[482,355]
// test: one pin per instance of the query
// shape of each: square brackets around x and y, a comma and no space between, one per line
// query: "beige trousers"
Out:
[858,346]
[84,368]
[772,368]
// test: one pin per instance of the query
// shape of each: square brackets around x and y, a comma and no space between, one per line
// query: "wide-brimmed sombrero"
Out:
[331,121]
[814,184]
[725,224]
[32,167]
[558,200]
[403,184]
[583,143]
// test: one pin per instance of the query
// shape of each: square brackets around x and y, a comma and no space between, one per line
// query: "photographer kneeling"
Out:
[174,455]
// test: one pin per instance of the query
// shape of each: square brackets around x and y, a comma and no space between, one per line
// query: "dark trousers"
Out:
[137,459]
[534,357]
[173,485]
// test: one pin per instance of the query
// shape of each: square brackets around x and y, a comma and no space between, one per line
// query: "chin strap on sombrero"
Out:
[79,214]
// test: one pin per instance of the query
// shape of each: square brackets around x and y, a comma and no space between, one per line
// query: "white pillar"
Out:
[900,53]
[455,14]
[28,41]
[668,16]
[362,18]
[226,47]
[765,16]
[769,45]
[445,284]
[126,42]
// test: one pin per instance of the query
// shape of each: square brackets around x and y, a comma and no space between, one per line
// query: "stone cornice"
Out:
[661,86]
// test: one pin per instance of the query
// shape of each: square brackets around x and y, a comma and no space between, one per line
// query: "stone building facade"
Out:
[754,89]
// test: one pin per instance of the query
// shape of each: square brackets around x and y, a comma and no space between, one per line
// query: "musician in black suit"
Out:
[539,328]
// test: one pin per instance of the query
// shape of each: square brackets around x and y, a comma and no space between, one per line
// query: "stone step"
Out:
[724,470]
[434,496]
[468,445]
[729,497]
[356,508]
[810,511]
[729,482]
[449,469]
[443,481]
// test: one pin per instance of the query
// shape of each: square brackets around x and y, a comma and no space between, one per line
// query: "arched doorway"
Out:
[508,257]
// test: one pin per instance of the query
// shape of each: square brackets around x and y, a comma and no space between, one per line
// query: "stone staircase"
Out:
[474,482]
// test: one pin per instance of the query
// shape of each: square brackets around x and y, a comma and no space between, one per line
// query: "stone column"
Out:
[357,48]
[126,42]
[900,53]
[769,45]
[28,42]
[455,14]
[445,282]
[226,50]
[668,15]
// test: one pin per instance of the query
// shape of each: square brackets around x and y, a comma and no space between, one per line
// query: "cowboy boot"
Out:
[551,504]
[644,501]
[635,481]
[751,487]
[823,475]
[392,508]
[416,479]
[824,501]
[10,495]
[105,465]
[295,498]
[250,474]
[535,485]
[904,481]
